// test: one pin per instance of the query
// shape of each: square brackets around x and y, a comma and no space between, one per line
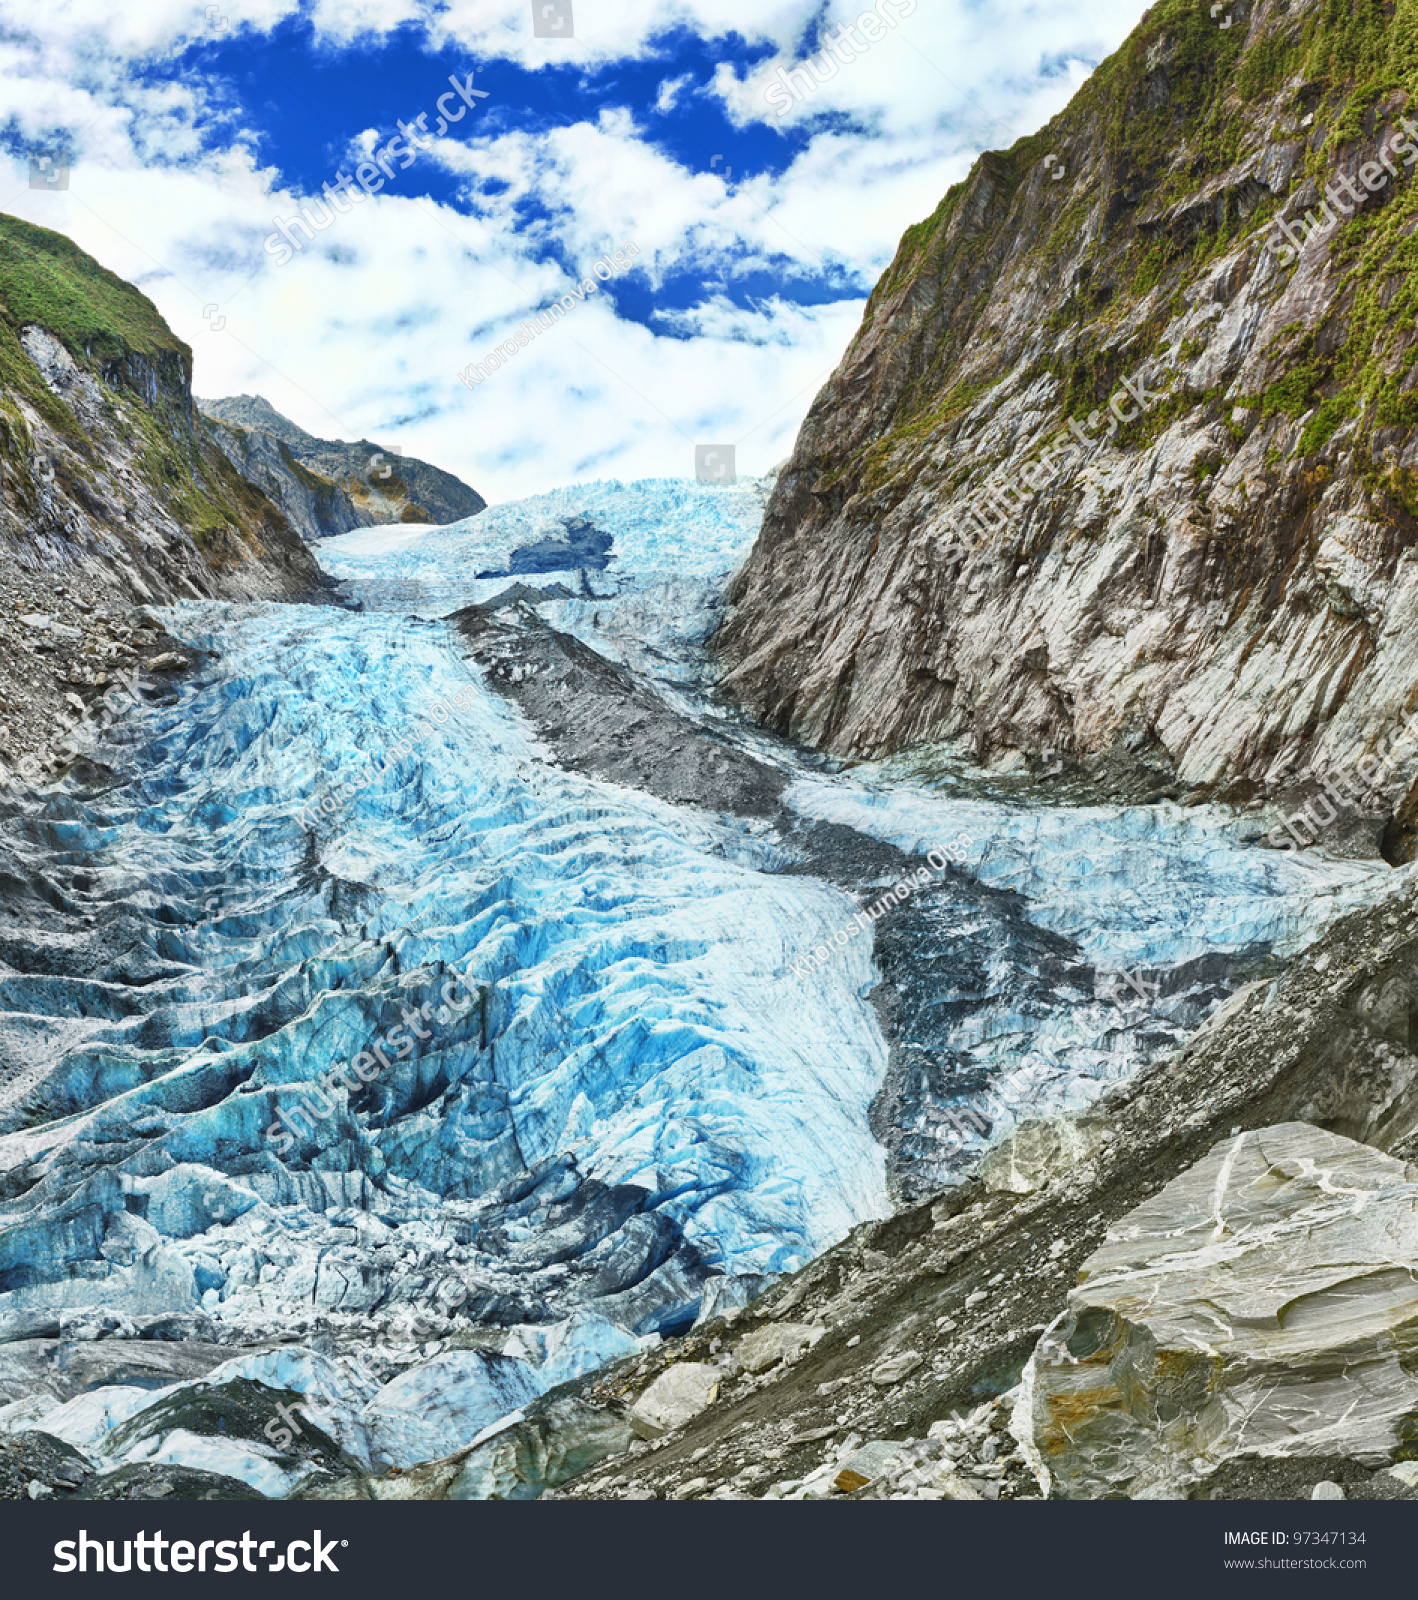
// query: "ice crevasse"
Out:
[276,864]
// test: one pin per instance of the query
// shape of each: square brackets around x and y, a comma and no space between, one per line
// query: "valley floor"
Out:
[440,1038]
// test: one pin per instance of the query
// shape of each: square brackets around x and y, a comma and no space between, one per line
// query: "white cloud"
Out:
[670,91]
[364,333]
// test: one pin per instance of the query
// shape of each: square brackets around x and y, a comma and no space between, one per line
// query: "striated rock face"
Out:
[1263,1304]
[1222,589]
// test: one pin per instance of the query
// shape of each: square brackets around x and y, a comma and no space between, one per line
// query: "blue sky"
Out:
[756,237]
[313,102]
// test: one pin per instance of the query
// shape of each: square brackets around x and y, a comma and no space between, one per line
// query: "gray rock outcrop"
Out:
[314,505]
[1264,1303]
[329,486]
[778,1341]
[679,1393]
[1106,477]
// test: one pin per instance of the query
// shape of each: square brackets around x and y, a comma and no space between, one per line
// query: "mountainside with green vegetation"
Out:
[1116,483]
[112,491]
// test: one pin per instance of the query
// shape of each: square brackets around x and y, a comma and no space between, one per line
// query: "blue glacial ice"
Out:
[675,545]
[1157,905]
[644,1104]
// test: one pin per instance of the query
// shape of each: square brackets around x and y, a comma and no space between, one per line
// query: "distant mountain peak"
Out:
[256,411]
[396,488]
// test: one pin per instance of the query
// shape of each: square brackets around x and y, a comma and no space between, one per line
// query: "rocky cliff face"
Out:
[112,493]
[1113,474]
[331,485]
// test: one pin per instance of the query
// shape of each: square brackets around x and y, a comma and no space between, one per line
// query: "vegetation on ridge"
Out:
[1177,115]
[116,334]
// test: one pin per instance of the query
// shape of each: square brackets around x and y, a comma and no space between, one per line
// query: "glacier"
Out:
[647,1106]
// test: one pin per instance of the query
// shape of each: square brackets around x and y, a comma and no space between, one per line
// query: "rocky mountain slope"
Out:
[1278,1139]
[329,486]
[112,494]
[1115,476]
[314,505]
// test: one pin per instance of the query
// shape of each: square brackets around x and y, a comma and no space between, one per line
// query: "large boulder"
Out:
[679,1393]
[1039,1151]
[777,1341]
[1264,1304]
